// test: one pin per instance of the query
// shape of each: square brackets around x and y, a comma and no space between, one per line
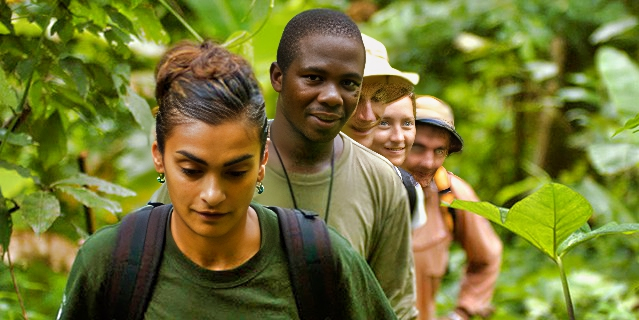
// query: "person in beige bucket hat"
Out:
[436,137]
[382,84]
[384,120]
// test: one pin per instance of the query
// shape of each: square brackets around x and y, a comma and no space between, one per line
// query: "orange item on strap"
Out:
[442,181]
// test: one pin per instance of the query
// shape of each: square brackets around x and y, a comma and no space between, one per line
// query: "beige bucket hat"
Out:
[377,62]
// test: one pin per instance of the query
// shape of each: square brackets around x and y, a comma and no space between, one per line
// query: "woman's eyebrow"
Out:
[192,157]
[238,160]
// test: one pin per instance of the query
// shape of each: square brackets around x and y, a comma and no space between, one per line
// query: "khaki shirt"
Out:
[431,244]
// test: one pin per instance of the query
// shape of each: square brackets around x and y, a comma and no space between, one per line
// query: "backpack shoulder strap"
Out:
[311,263]
[409,184]
[136,260]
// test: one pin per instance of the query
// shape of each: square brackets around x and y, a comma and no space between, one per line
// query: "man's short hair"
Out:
[313,22]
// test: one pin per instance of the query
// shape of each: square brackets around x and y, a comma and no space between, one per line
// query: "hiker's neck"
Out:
[225,252]
[300,154]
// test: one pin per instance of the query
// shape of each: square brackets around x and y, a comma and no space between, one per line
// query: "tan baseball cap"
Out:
[433,111]
[377,62]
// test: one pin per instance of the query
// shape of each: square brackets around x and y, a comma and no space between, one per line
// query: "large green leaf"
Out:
[611,158]
[608,229]
[140,110]
[53,141]
[40,209]
[90,198]
[621,77]
[104,186]
[6,225]
[545,218]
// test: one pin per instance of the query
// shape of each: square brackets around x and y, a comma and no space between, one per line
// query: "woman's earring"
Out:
[260,187]
[161,178]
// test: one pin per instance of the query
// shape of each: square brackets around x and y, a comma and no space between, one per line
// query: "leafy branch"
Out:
[553,219]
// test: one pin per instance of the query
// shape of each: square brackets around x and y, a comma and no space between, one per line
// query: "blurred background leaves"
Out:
[542,91]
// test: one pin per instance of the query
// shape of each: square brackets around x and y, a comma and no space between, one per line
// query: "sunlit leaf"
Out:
[90,11]
[24,172]
[104,186]
[611,158]
[612,29]
[611,228]
[483,208]
[53,141]
[7,95]
[18,139]
[151,28]
[90,198]
[40,209]
[6,225]
[140,110]
[4,29]
[545,218]
[621,77]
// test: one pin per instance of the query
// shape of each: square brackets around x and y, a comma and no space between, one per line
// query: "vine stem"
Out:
[184,23]
[564,284]
[15,285]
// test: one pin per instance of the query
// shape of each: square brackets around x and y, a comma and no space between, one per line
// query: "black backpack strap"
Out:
[311,263]
[136,261]
[409,184]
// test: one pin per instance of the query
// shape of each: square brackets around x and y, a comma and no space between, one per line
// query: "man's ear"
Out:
[157,157]
[276,77]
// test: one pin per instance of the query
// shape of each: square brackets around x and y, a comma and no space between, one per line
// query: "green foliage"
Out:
[542,91]
[553,219]
[40,209]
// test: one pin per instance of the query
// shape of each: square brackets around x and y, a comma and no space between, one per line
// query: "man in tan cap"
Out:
[435,139]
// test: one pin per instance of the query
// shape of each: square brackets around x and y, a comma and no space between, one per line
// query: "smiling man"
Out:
[312,166]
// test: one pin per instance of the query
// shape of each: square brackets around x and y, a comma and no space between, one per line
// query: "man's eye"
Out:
[383,123]
[313,77]
[351,84]
[408,123]
[440,152]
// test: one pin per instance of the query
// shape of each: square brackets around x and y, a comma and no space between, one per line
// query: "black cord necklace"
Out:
[290,187]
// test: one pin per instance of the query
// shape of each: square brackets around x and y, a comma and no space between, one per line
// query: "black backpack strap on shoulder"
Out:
[311,263]
[136,261]
[409,184]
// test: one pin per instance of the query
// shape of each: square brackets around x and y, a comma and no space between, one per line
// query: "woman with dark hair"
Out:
[223,257]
